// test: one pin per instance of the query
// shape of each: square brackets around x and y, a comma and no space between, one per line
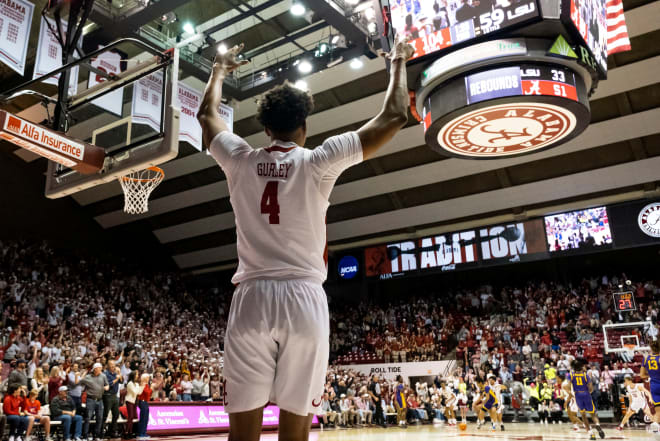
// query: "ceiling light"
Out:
[370,13]
[298,9]
[335,39]
[222,49]
[372,27]
[302,85]
[356,63]
[352,2]
[305,67]
[189,28]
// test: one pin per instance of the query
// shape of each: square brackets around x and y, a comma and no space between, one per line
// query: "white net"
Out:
[137,188]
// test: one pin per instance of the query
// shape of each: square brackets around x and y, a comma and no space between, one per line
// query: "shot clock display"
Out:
[624,301]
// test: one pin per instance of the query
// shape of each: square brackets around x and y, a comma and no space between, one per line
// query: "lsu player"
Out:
[582,388]
[637,395]
[450,403]
[651,370]
[490,403]
[569,404]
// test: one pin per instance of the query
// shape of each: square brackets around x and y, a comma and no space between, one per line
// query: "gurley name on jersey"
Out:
[272,170]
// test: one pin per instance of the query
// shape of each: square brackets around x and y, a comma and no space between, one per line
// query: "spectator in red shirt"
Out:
[54,382]
[143,405]
[32,408]
[12,407]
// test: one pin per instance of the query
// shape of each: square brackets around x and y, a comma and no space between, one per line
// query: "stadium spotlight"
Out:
[322,49]
[356,63]
[302,85]
[298,9]
[188,28]
[305,67]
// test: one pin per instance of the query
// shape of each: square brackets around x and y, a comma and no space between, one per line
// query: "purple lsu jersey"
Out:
[651,364]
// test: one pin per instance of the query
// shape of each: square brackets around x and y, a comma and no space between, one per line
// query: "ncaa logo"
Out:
[506,129]
[348,267]
[649,220]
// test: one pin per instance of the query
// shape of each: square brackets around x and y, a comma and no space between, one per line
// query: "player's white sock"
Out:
[654,427]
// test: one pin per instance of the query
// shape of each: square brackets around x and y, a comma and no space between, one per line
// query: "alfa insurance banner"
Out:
[15,24]
[49,55]
[204,416]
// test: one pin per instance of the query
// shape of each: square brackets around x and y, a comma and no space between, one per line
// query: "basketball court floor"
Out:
[514,432]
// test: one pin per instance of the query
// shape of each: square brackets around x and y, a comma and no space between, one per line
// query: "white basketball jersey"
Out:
[280,198]
[634,393]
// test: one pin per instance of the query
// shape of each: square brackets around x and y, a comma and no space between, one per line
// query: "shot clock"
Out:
[624,301]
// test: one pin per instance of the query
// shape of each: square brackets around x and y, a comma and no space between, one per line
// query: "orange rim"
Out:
[154,169]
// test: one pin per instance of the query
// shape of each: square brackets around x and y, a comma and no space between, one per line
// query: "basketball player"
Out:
[450,403]
[276,344]
[500,409]
[582,388]
[637,395]
[400,404]
[490,404]
[651,369]
[569,404]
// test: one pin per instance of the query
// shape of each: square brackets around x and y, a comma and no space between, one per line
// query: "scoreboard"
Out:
[624,301]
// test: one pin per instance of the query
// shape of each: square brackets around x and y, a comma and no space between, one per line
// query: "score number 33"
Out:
[270,204]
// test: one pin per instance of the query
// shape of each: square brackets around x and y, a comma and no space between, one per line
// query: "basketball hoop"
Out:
[138,186]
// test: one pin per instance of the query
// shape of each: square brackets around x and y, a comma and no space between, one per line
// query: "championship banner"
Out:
[227,115]
[110,63]
[190,131]
[49,56]
[15,24]
[390,371]
[147,100]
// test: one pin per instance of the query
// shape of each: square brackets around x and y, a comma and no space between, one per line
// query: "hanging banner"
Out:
[49,55]
[227,115]
[190,131]
[110,63]
[147,100]
[15,23]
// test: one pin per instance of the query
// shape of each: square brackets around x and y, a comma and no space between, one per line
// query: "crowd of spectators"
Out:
[81,324]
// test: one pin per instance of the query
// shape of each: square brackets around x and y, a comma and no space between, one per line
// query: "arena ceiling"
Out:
[407,190]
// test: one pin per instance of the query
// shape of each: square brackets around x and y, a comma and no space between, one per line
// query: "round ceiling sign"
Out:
[506,129]
[649,219]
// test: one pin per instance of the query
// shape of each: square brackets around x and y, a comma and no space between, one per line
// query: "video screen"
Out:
[584,229]
[433,25]
[590,19]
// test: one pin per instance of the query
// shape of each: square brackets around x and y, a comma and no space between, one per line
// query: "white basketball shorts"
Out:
[276,346]
[638,404]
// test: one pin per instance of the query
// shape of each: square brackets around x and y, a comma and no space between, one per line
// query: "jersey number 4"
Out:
[269,204]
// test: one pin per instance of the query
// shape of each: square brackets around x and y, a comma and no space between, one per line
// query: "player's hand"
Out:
[229,62]
[401,49]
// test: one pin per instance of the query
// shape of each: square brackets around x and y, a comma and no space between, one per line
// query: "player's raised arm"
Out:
[208,115]
[394,114]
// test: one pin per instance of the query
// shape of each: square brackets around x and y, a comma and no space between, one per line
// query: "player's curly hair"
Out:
[284,108]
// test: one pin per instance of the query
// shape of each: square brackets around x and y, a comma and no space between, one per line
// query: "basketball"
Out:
[462,426]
